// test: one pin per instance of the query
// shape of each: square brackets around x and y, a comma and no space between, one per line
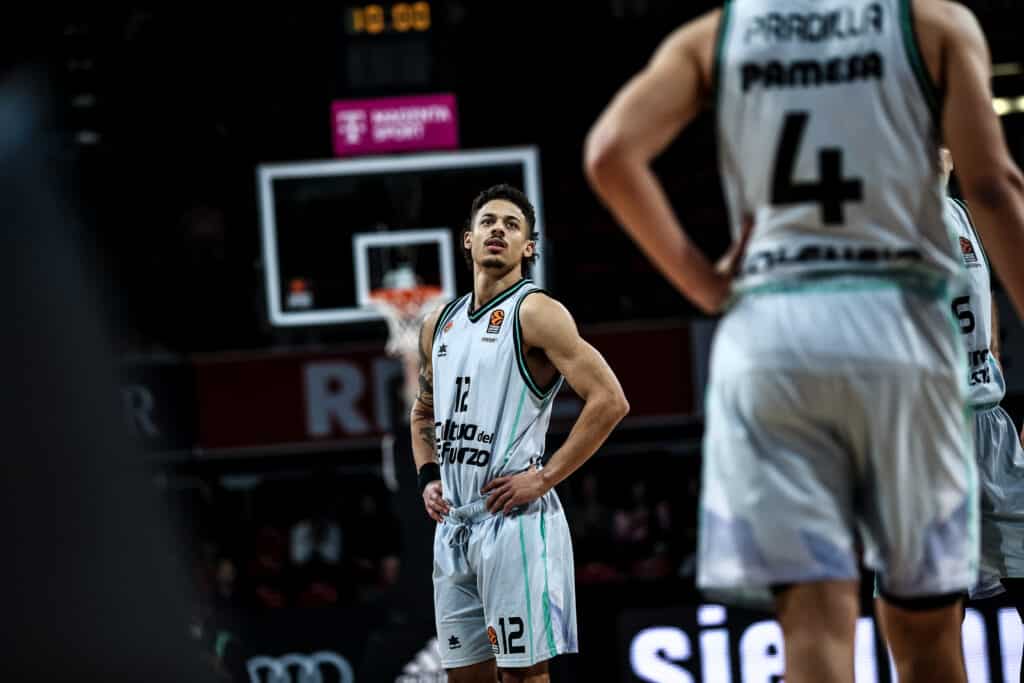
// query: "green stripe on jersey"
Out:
[479,313]
[546,597]
[927,285]
[515,426]
[929,90]
[446,313]
[723,30]
[526,581]
[524,369]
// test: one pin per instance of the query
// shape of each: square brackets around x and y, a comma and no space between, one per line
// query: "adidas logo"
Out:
[453,643]
[443,351]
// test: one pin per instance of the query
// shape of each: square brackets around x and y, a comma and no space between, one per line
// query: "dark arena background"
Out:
[208,472]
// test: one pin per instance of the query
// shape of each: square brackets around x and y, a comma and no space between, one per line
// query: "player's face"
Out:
[500,237]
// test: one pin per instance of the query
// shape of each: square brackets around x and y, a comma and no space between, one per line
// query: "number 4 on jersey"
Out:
[831,191]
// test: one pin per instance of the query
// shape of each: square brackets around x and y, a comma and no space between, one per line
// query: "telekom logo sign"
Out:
[351,126]
[394,124]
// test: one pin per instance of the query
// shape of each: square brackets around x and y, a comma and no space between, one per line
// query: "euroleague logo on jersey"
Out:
[448,326]
[494,324]
[967,250]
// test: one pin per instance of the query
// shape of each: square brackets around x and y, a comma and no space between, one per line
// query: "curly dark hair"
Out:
[509,194]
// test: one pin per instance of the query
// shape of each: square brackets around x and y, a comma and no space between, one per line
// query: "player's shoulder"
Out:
[696,38]
[447,308]
[951,19]
[538,309]
[702,28]
[539,300]
[431,318]
[436,315]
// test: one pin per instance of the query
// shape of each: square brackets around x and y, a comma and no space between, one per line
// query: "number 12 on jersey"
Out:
[832,191]
[461,394]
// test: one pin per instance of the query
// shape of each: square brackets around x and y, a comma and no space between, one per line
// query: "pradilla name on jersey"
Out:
[863,196]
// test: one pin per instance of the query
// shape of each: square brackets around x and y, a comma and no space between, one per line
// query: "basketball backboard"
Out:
[311,214]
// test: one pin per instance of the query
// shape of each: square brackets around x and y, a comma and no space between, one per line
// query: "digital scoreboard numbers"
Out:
[388,18]
[385,49]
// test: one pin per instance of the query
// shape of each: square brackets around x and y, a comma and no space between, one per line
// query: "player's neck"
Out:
[488,284]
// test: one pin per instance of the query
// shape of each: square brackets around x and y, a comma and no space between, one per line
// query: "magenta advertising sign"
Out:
[394,124]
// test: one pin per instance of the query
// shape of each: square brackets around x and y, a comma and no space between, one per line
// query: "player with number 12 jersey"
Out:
[491,363]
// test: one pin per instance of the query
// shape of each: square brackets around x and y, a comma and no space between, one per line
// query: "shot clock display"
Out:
[387,18]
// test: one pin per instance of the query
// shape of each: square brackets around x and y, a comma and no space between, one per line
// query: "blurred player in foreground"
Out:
[491,364]
[836,398]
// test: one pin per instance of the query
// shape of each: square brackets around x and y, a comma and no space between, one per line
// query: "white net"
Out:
[404,310]
[404,315]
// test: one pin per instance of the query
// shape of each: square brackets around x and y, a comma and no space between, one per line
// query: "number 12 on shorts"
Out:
[511,629]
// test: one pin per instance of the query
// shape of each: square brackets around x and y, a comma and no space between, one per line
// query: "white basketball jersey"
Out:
[828,130]
[491,417]
[973,310]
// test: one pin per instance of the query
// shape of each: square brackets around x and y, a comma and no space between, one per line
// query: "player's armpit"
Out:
[547,325]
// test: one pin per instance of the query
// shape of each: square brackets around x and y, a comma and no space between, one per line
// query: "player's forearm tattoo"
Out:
[427,435]
[423,409]
[426,393]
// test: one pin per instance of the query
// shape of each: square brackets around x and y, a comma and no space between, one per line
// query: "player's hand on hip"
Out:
[728,266]
[434,502]
[514,490]
[731,261]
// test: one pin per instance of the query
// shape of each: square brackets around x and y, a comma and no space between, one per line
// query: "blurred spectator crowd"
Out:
[318,539]
[313,540]
[628,525]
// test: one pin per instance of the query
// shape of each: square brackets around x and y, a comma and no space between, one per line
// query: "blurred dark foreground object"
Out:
[90,584]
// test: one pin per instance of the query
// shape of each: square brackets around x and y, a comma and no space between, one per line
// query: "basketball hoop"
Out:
[404,309]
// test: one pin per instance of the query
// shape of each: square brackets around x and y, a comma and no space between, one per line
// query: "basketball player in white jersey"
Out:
[491,364]
[836,399]
[997,450]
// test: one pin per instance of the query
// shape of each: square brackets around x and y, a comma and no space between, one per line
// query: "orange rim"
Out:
[406,299]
